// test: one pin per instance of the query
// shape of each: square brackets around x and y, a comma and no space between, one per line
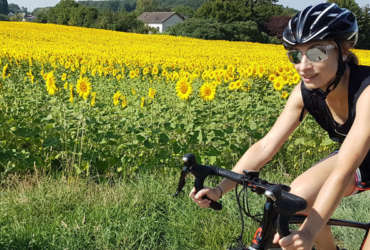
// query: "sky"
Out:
[296,4]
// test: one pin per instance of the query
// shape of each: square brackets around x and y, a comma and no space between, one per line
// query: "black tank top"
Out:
[315,104]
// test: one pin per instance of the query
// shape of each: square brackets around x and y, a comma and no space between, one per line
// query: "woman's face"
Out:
[316,63]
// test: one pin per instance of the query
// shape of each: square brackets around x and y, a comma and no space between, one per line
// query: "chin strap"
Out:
[338,76]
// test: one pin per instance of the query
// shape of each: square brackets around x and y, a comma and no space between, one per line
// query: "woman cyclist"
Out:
[334,90]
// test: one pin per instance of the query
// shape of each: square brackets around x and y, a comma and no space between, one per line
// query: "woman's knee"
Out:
[308,184]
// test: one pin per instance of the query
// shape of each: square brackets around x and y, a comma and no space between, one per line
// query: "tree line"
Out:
[236,20]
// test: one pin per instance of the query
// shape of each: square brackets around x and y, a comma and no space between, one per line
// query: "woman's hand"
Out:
[212,193]
[295,241]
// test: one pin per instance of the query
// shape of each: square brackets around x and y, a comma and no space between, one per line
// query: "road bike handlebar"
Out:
[285,203]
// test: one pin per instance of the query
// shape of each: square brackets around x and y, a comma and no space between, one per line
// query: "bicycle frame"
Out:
[298,219]
[264,234]
[280,209]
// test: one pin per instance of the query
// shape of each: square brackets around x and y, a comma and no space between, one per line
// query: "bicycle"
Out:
[280,209]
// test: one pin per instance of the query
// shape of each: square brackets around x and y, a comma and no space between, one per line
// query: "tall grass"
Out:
[72,213]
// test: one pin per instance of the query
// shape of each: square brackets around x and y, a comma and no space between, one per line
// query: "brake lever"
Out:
[283,201]
[184,173]
[200,173]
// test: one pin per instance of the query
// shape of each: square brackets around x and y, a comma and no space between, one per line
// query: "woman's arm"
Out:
[352,152]
[262,151]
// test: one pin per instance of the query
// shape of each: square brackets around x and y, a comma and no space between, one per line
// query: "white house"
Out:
[161,20]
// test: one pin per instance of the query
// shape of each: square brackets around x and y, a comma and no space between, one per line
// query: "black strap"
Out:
[340,71]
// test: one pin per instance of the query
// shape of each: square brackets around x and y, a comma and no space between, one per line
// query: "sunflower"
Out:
[50,83]
[183,89]
[67,65]
[164,73]
[93,97]
[284,94]
[251,70]
[152,93]
[142,102]
[64,77]
[155,71]
[296,78]
[235,85]
[231,69]
[124,101]
[116,98]
[145,71]
[83,87]
[205,75]
[71,93]
[278,85]
[238,84]
[280,69]
[272,77]
[175,76]
[207,92]
[132,74]
[31,76]
[5,70]
[261,70]
[232,86]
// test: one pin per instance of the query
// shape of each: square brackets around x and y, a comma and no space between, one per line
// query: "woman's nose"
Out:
[305,63]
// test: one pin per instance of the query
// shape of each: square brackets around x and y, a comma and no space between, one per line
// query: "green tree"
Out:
[83,16]
[4,8]
[128,22]
[239,10]
[364,29]
[147,5]
[348,4]
[185,11]
[212,29]
[224,11]
[14,8]
[105,20]
[60,14]
[41,14]
[194,4]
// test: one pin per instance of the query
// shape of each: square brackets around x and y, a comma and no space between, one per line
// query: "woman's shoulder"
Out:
[360,73]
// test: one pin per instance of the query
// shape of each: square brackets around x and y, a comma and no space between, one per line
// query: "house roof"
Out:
[156,17]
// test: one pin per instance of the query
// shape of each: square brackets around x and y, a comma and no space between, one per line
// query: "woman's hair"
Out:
[351,57]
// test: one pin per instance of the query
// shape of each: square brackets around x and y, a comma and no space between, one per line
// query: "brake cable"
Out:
[244,209]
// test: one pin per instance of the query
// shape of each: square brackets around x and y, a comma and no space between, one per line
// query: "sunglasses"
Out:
[317,53]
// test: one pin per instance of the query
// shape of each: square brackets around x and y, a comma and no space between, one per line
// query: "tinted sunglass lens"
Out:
[295,56]
[316,55]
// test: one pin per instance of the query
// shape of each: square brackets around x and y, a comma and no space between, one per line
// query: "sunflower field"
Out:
[91,101]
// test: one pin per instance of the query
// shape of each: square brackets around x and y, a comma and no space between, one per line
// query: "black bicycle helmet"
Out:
[324,21]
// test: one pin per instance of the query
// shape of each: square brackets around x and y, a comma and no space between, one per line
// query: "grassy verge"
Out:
[61,213]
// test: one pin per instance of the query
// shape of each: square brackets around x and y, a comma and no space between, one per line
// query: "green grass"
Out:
[71,213]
